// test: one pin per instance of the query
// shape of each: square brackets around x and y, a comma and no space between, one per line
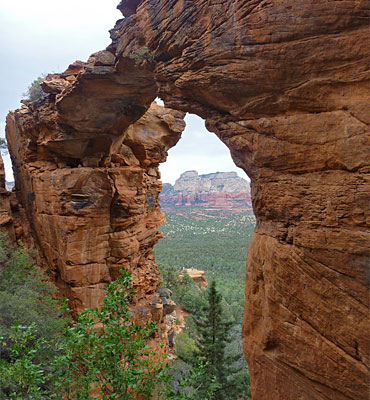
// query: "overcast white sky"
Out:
[42,36]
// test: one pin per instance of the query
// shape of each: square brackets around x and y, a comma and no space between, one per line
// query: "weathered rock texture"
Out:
[284,85]
[224,191]
[91,198]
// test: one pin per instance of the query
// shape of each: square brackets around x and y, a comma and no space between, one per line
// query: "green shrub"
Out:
[34,91]
[29,323]
[45,357]
[115,358]
[25,293]
[194,300]
[144,54]
[185,346]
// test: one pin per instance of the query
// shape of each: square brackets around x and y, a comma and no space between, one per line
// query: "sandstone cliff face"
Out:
[284,85]
[92,202]
[216,191]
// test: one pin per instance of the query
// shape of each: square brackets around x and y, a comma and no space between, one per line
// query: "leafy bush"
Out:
[22,376]
[144,54]
[194,300]
[34,91]
[114,358]
[25,294]
[45,357]
[29,322]
[185,346]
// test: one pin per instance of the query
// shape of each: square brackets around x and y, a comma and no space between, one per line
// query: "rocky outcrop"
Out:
[223,191]
[198,276]
[91,198]
[284,85]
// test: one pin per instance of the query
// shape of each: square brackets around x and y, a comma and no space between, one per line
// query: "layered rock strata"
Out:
[285,86]
[191,182]
[219,191]
[92,198]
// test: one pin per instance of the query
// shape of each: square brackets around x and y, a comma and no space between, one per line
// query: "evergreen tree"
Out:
[213,333]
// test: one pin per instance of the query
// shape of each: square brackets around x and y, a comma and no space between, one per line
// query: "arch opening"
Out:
[208,228]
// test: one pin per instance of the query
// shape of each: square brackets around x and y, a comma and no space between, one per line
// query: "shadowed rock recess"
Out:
[284,85]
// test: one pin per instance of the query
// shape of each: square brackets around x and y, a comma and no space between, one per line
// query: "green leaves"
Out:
[34,91]
[44,356]
[22,376]
[109,351]
[29,323]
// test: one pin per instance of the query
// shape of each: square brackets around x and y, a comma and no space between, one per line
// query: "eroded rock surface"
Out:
[284,85]
[93,202]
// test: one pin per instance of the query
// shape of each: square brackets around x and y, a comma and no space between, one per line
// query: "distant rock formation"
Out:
[198,276]
[191,182]
[217,191]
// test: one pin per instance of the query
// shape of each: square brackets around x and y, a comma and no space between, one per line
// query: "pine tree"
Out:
[213,335]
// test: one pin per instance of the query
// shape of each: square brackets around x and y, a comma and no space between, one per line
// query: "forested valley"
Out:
[215,242]
[44,355]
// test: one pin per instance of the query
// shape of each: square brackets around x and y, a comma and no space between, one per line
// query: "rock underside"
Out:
[284,84]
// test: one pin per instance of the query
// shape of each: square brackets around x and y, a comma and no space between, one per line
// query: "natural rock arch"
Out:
[283,85]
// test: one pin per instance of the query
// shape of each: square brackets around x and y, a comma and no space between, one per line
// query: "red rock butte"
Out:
[219,191]
[284,84]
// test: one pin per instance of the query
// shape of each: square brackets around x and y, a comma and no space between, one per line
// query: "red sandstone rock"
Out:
[92,201]
[284,85]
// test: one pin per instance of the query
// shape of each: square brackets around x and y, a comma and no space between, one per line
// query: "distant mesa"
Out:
[216,191]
